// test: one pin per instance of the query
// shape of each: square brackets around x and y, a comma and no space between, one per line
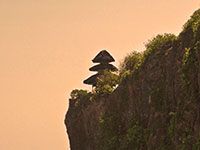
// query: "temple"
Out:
[104,59]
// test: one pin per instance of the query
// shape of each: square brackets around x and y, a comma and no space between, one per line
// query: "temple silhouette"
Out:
[104,59]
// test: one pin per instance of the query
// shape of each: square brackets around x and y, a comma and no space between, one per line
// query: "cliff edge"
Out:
[156,105]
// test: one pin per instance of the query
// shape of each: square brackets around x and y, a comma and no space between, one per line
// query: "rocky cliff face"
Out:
[157,107]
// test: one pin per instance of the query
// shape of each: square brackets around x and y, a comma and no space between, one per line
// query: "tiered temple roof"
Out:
[91,80]
[103,58]
[103,67]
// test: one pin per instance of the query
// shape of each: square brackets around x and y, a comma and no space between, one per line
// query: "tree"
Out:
[106,83]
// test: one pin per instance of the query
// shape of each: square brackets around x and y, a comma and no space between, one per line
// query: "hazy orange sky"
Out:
[46,49]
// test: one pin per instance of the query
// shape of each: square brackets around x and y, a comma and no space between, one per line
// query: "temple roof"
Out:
[103,67]
[103,57]
[91,80]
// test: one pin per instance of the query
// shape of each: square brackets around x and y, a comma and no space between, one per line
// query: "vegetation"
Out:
[117,137]
[78,94]
[136,60]
[130,62]
[109,131]
[106,83]
[153,47]
[193,22]
[159,41]
[172,124]
[156,46]
[125,75]
[81,97]
[159,107]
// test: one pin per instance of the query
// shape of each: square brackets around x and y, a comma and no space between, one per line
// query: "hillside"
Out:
[156,105]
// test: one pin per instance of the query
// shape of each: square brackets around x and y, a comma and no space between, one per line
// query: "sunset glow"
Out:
[46,49]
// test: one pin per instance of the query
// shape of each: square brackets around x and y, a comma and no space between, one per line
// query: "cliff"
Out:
[155,107]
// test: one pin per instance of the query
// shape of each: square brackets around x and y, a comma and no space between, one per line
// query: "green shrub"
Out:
[130,62]
[109,131]
[193,22]
[159,41]
[135,136]
[155,46]
[81,97]
[189,57]
[106,83]
[124,76]
[78,94]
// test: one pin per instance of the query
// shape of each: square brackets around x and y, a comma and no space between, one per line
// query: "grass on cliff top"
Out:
[193,22]
[136,60]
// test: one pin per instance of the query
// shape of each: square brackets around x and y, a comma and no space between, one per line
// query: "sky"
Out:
[46,48]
